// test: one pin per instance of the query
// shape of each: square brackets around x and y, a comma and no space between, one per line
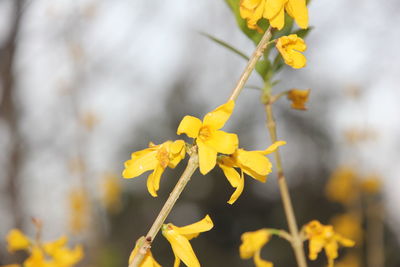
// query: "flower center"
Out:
[205,133]
[163,157]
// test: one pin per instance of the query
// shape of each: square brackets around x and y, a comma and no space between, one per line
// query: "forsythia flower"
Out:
[148,260]
[324,237]
[252,243]
[79,210]
[209,139]
[179,238]
[157,158]
[274,11]
[298,98]
[111,193]
[253,163]
[49,254]
[290,47]
[17,240]
[342,186]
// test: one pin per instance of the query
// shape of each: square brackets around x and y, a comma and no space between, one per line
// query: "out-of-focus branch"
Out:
[8,109]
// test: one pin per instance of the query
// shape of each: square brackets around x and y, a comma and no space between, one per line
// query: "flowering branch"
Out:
[193,164]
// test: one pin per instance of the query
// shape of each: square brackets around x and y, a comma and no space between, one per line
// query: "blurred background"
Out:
[85,83]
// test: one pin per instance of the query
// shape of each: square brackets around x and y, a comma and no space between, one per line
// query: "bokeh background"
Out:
[85,83]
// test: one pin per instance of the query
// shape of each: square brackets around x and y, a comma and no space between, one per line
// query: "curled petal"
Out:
[233,177]
[297,9]
[153,181]
[260,262]
[238,191]
[273,147]
[254,161]
[138,165]
[190,126]
[207,157]
[217,118]
[278,21]
[223,142]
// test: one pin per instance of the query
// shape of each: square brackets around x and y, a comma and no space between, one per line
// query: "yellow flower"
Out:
[348,225]
[298,98]
[79,210]
[63,256]
[17,240]
[342,186]
[253,163]
[274,10]
[37,259]
[179,238]
[148,260]
[290,47]
[209,139]
[111,193]
[157,158]
[324,237]
[252,243]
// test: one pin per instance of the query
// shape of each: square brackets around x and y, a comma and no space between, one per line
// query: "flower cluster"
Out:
[324,237]
[210,141]
[48,254]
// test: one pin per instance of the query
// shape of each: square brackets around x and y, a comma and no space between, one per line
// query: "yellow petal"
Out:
[273,147]
[52,247]
[190,126]
[298,98]
[135,167]
[177,261]
[238,191]
[181,247]
[223,142]
[272,8]
[231,174]
[315,246]
[217,118]
[17,240]
[254,161]
[297,9]
[153,181]
[193,230]
[278,21]
[148,260]
[207,157]
[260,262]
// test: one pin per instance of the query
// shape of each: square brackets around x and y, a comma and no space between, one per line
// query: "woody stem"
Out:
[262,45]
[166,209]
[296,241]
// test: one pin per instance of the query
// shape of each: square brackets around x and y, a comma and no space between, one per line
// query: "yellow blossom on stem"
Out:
[253,163]
[179,238]
[342,186]
[148,260]
[17,241]
[209,139]
[252,243]
[324,237]
[63,256]
[156,158]
[298,98]
[274,10]
[290,47]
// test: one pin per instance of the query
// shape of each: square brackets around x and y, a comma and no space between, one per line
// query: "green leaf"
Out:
[302,33]
[262,67]
[252,34]
[226,45]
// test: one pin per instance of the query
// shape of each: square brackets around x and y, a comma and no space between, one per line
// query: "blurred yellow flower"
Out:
[17,241]
[348,225]
[298,98]
[148,259]
[111,197]
[273,10]
[253,163]
[324,237]
[252,243]
[209,139]
[157,158]
[371,185]
[179,238]
[290,47]
[342,186]
[63,256]
[79,210]
[37,259]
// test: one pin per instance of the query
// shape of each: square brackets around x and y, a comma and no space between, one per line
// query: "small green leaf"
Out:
[263,67]
[226,45]
[302,33]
